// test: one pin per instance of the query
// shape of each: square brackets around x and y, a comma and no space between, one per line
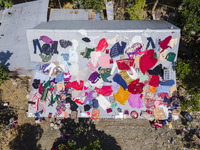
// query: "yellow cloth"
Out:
[125,76]
[137,60]
[173,91]
[122,95]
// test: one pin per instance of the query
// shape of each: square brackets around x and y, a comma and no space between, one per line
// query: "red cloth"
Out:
[75,85]
[102,45]
[105,91]
[164,44]
[154,81]
[163,95]
[125,64]
[41,88]
[147,61]
[135,87]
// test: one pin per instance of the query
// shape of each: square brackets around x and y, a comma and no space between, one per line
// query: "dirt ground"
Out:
[116,134]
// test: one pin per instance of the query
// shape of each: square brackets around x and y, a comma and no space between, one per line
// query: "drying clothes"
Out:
[137,60]
[149,103]
[91,95]
[73,105]
[36,83]
[86,39]
[53,100]
[87,107]
[152,89]
[154,80]
[173,42]
[60,77]
[87,52]
[170,56]
[133,50]
[167,83]
[147,61]
[122,95]
[135,39]
[65,56]
[156,71]
[134,74]
[95,103]
[162,89]
[164,44]
[113,106]
[73,55]
[45,58]
[52,66]
[103,102]
[167,100]
[159,114]
[36,44]
[162,56]
[173,91]
[38,67]
[135,87]
[75,85]
[98,84]
[105,61]
[41,88]
[135,101]
[105,76]
[65,43]
[74,68]
[92,67]
[41,76]
[143,77]
[147,116]
[104,70]
[125,64]
[54,48]
[95,114]
[102,45]
[105,90]
[125,76]
[117,49]
[94,77]
[94,57]
[46,39]
[150,41]
[118,79]
[163,95]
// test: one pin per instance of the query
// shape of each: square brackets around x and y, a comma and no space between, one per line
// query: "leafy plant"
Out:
[137,11]
[89,4]
[6,3]
[3,74]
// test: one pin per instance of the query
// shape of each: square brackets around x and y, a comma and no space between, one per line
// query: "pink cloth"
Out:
[156,104]
[163,95]
[92,67]
[46,39]
[94,57]
[105,61]
[135,101]
[105,91]
[102,45]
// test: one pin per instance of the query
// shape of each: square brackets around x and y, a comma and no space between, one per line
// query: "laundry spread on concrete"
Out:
[124,79]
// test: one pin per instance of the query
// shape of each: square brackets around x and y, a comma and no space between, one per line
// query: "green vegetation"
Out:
[3,74]
[89,4]
[137,11]
[6,3]
[72,146]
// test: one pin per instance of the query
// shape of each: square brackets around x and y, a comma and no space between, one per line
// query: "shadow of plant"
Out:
[27,138]
[85,133]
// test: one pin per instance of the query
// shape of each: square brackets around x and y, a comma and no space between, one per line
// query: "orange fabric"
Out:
[152,89]
[66,114]
[95,114]
[122,95]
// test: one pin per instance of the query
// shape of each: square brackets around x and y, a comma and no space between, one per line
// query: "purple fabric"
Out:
[93,77]
[135,101]
[46,39]
[89,96]
[52,81]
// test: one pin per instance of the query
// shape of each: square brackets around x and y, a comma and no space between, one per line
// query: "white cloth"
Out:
[103,102]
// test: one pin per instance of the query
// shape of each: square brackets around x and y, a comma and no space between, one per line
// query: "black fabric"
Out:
[119,109]
[54,48]
[86,39]
[156,71]
[65,43]
[87,107]
[30,102]
[167,100]
[73,105]
[46,49]
[36,83]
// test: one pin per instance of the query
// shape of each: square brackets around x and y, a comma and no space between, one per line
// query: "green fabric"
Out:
[105,76]
[155,55]
[143,77]
[170,56]
[113,106]
[87,52]
[55,99]
[45,58]
[44,94]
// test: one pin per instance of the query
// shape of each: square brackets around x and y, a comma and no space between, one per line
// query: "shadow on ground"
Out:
[85,133]
[27,137]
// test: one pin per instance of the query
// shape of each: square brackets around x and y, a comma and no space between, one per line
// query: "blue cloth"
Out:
[97,15]
[162,89]
[167,83]
[60,77]
[117,49]
[119,80]
[36,44]
[150,41]
[38,67]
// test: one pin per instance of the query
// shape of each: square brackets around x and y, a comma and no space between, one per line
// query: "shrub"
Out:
[3,74]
